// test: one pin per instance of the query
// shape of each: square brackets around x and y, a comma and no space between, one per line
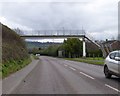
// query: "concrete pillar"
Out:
[84,48]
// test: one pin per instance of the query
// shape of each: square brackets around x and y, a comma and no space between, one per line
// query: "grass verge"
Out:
[88,60]
[34,57]
[13,66]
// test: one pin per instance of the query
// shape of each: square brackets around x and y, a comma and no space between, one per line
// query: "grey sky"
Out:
[98,17]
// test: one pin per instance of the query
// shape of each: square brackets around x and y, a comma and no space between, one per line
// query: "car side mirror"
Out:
[117,58]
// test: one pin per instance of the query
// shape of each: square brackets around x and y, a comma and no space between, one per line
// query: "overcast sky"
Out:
[98,17]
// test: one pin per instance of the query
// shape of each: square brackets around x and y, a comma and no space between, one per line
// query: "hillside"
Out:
[14,51]
[31,45]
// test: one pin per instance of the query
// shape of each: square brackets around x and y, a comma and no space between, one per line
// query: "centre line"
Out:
[87,75]
[65,65]
[112,88]
[72,68]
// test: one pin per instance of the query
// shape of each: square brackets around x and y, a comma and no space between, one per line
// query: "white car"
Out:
[37,54]
[112,64]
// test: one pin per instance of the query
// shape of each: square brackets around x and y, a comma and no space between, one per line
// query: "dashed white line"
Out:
[65,65]
[72,68]
[87,75]
[112,88]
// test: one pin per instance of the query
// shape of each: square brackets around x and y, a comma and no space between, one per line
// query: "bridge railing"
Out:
[100,45]
[92,39]
[52,32]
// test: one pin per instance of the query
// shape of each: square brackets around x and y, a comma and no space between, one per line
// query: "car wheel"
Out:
[107,72]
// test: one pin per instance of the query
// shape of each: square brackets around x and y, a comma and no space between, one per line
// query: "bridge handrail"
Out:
[89,37]
[52,32]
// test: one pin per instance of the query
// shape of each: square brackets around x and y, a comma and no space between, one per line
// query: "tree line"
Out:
[71,48]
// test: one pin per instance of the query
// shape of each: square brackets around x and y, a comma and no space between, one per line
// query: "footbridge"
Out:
[59,34]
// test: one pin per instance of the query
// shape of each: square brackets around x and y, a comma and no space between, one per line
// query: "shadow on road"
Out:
[115,79]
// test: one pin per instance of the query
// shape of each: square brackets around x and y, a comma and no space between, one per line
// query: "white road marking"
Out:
[87,75]
[112,88]
[72,68]
[66,60]
[65,65]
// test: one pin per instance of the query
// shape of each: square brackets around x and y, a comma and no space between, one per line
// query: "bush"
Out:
[94,53]
[51,51]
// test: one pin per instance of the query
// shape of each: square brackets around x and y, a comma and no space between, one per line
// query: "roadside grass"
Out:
[13,66]
[35,57]
[0,70]
[95,61]
[94,58]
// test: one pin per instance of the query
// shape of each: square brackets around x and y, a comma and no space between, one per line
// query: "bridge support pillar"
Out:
[84,48]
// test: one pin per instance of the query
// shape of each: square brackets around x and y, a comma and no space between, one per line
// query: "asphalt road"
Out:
[58,76]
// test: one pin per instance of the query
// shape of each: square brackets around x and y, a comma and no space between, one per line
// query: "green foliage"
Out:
[35,57]
[13,66]
[51,51]
[72,47]
[35,51]
[14,52]
[94,53]
[13,47]
[88,60]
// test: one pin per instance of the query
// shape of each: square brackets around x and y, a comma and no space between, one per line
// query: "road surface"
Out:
[59,76]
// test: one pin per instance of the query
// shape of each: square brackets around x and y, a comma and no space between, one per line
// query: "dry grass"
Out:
[14,52]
